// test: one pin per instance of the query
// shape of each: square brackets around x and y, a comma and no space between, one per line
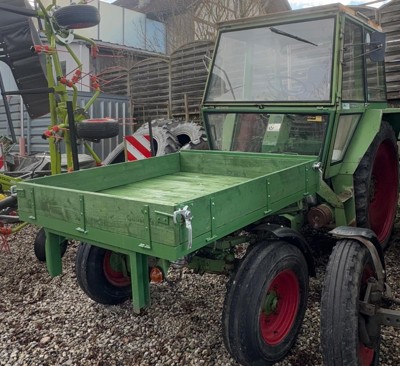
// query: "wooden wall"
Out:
[389,17]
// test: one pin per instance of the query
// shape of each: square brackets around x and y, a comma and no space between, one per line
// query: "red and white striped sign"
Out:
[137,147]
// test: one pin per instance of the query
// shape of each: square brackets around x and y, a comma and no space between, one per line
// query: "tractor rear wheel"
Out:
[39,246]
[376,184]
[349,268]
[265,304]
[102,274]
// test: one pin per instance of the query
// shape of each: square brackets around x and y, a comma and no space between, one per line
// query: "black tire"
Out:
[278,266]
[376,185]
[164,142]
[161,122]
[350,265]
[189,133]
[97,129]
[116,156]
[39,246]
[98,279]
[77,16]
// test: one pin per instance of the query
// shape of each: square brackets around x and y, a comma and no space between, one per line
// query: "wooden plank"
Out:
[236,164]
[98,179]
[176,188]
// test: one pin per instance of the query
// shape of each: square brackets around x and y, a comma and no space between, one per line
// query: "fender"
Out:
[367,238]
[364,134]
[278,232]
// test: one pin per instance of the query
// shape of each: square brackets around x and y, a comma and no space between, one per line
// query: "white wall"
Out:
[123,26]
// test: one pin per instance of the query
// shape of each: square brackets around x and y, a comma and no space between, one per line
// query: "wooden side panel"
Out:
[238,164]
[97,179]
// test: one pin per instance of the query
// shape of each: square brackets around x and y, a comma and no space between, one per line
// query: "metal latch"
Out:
[186,214]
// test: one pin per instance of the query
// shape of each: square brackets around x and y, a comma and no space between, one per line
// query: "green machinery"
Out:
[300,133]
[44,86]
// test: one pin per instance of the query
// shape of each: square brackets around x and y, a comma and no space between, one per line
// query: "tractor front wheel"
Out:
[102,274]
[349,268]
[265,304]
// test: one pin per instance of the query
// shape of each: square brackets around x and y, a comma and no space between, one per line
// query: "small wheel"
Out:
[77,16]
[349,268]
[376,185]
[102,274]
[97,128]
[265,304]
[39,246]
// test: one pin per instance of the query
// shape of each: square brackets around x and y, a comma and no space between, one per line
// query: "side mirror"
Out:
[377,46]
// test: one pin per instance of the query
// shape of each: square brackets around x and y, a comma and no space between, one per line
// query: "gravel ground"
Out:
[46,321]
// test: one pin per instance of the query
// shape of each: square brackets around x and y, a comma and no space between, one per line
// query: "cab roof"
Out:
[300,14]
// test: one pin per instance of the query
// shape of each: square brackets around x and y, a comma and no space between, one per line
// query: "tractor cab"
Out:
[283,83]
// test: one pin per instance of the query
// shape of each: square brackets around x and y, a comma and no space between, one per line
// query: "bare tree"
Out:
[186,21]
[211,12]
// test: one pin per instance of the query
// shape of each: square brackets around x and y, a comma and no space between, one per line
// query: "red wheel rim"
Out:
[112,267]
[280,307]
[365,355]
[383,194]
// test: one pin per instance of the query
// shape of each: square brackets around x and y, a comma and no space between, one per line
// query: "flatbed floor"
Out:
[172,189]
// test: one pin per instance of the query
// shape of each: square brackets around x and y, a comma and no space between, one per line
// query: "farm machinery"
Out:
[33,58]
[34,61]
[300,134]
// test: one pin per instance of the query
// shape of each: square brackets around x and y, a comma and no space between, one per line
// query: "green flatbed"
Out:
[140,207]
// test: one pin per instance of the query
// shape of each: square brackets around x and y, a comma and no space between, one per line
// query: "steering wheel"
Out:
[279,84]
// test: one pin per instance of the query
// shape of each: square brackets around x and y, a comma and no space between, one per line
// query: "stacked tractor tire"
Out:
[168,135]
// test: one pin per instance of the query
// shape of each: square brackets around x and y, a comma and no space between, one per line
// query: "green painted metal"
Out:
[53,253]
[129,207]
[187,203]
[366,130]
[278,135]
[127,201]
[140,281]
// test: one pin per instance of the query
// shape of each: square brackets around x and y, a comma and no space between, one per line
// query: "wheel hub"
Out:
[115,269]
[271,303]
[280,307]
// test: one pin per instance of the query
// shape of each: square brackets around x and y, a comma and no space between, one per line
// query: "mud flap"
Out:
[368,238]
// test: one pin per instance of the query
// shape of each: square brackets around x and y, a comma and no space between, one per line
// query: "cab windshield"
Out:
[285,62]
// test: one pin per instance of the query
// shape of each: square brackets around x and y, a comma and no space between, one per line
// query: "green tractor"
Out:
[300,134]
